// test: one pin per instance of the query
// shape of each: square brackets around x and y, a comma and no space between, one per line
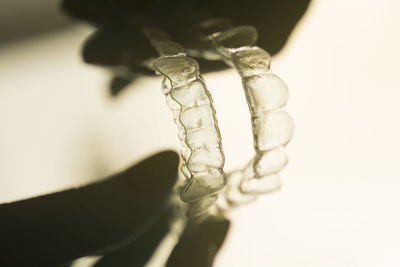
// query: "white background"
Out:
[339,204]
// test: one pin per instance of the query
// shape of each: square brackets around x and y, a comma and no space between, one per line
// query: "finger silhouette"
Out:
[119,40]
[199,243]
[54,229]
[139,251]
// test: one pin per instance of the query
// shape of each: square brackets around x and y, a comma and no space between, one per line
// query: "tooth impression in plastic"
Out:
[266,96]
[251,61]
[272,130]
[270,162]
[265,92]
[194,114]
[262,185]
[203,184]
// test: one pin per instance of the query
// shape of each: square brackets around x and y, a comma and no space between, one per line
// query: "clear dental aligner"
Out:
[194,115]
[266,95]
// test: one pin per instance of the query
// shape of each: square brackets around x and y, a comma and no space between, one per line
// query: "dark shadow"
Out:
[54,229]
[21,19]
[138,252]
[200,243]
[120,41]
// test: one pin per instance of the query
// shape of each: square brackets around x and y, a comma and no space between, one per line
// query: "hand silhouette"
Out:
[119,40]
[54,229]
[122,218]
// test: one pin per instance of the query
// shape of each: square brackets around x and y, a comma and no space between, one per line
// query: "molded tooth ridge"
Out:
[178,69]
[261,185]
[266,96]
[233,195]
[272,130]
[265,92]
[207,158]
[203,185]
[270,162]
[251,61]
[192,94]
[194,114]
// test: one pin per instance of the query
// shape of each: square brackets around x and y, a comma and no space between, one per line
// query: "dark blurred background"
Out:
[21,19]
